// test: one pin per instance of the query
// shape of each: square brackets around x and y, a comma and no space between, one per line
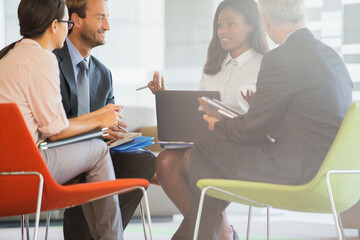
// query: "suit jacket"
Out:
[303,93]
[100,83]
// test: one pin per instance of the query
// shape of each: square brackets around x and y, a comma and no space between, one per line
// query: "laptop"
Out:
[179,122]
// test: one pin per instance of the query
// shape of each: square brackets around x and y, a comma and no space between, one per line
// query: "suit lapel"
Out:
[67,70]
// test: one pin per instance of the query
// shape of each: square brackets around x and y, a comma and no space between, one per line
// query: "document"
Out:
[217,109]
[82,137]
[128,137]
[137,143]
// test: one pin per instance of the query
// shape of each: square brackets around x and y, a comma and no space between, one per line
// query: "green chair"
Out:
[334,189]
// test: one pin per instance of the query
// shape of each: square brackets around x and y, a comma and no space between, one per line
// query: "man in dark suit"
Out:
[303,93]
[90,25]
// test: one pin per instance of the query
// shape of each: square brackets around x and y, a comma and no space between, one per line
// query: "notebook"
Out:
[137,143]
[217,109]
[128,137]
[78,138]
[179,121]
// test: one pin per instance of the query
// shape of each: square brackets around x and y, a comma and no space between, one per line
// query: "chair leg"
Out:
[47,224]
[332,203]
[147,210]
[268,223]
[341,227]
[27,227]
[198,217]
[22,227]
[248,225]
[143,219]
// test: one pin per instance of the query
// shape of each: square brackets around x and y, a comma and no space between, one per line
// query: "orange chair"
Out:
[26,184]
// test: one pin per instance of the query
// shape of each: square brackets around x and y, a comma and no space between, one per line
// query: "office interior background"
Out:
[172,36]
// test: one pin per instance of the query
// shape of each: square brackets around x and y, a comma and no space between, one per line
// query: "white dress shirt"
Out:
[235,75]
[75,57]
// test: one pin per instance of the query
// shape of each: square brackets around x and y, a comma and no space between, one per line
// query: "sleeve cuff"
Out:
[55,127]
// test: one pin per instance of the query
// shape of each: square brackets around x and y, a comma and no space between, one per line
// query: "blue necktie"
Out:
[83,88]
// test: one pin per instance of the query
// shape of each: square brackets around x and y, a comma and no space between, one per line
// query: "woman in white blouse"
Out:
[233,62]
[234,55]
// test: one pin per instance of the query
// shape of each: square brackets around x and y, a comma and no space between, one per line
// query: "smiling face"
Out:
[233,32]
[95,24]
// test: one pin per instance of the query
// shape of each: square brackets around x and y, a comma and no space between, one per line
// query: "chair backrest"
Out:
[344,154]
[18,152]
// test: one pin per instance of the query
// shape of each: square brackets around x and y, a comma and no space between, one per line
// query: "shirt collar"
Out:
[242,59]
[75,55]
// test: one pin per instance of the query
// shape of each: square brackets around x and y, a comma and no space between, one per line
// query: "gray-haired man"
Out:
[303,93]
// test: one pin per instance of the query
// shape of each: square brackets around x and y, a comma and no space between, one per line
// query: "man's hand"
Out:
[211,121]
[248,96]
[155,85]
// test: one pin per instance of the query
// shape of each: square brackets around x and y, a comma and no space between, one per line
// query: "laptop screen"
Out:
[178,117]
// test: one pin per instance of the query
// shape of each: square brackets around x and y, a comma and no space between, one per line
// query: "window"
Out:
[172,37]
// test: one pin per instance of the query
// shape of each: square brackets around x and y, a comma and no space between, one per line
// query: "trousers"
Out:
[91,157]
[130,164]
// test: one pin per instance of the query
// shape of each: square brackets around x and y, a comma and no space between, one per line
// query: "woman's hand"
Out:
[211,121]
[106,117]
[155,85]
[108,107]
[248,96]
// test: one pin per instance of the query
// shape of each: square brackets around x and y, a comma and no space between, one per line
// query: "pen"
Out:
[123,129]
[141,88]
[118,119]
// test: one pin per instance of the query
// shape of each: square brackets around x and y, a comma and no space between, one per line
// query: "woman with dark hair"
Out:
[233,62]
[234,54]
[29,77]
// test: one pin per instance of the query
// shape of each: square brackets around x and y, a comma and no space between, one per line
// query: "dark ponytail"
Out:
[6,49]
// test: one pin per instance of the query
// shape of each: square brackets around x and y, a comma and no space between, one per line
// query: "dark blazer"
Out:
[100,83]
[303,93]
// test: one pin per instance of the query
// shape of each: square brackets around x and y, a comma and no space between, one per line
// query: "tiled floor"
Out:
[284,226]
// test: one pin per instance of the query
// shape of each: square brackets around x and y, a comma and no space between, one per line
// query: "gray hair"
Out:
[283,11]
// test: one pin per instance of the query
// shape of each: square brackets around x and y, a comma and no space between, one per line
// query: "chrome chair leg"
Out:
[147,210]
[47,224]
[22,227]
[27,227]
[198,217]
[332,203]
[341,227]
[248,225]
[142,214]
[268,223]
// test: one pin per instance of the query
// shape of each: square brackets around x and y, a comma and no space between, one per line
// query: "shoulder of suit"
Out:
[99,64]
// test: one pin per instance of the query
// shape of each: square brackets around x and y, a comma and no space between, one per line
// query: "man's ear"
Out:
[77,20]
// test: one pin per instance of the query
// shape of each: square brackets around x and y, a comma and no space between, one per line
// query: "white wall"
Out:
[2,24]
